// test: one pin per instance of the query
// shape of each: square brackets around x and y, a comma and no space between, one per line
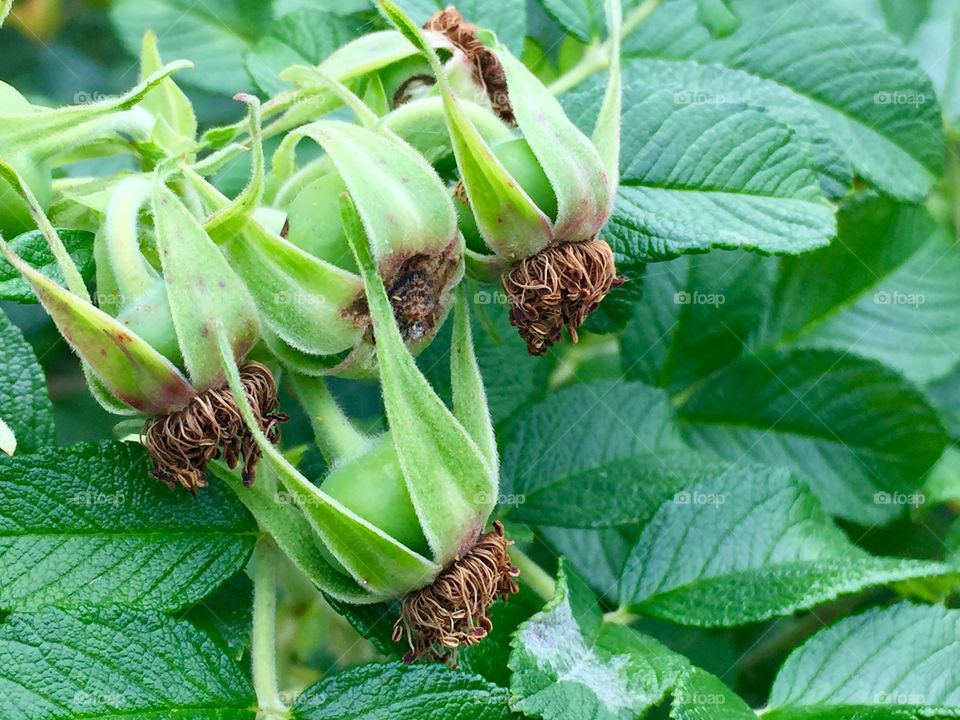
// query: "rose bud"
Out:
[405,516]
[540,200]
[305,281]
[156,352]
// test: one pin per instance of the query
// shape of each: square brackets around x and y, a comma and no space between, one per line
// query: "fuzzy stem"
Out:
[336,435]
[532,575]
[264,643]
[597,56]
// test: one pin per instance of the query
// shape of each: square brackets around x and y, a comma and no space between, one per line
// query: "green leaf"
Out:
[894,662]
[886,119]
[583,428]
[583,18]
[117,663]
[696,315]
[87,525]
[24,405]
[227,615]
[35,251]
[897,302]
[395,691]
[303,37]
[213,34]
[702,696]
[700,172]
[567,663]
[854,430]
[745,545]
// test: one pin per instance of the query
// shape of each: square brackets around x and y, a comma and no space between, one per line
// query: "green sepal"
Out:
[469,396]
[404,205]
[447,476]
[300,297]
[127,365]
[606,131]
[379,564]
[422,123]
[129,270]
[293,534]
[44,132]
[367,54]
[204,292]
[252,194]
[71,273]
[510,222]
[175,125]
[569,159]
[5,6]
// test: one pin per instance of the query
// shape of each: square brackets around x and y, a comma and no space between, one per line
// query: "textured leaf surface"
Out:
[851,428]
[394,691]
[87,525]
[891,662]
[33,248]
[696,315]
[227,615]
[880,106]
[897,302]
[583,18]
[213,34]
[24,405]
[699,172]
[304,37]
[116,663]
[701,696]
[568,664]
[748,544]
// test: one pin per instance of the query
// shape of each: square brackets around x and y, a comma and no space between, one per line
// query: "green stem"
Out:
[264,642]
[336,435]
[532,575]
[620,616]
[597,56]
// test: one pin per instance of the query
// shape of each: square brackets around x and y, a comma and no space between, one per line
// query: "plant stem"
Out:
[532,575]
[620,616]
[597,55]
[264,644]
[336,435]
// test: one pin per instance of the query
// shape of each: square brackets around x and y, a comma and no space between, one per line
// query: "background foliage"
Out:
[749,466]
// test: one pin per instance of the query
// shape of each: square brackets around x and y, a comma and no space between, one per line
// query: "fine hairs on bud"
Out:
[558,288]
[181,444]
[488,73]
[451,612]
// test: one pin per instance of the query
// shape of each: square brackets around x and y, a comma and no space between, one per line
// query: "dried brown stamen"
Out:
[452,612]
[181,444]
[487,70]
[557,288]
